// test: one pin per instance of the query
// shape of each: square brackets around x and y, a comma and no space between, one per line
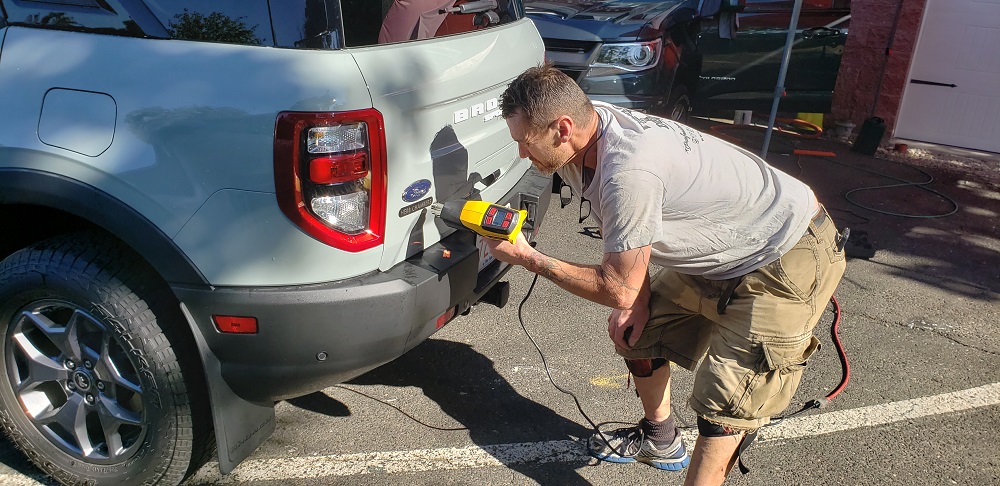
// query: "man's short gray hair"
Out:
[544,93]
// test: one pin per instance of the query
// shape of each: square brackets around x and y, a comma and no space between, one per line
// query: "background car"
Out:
[637,54]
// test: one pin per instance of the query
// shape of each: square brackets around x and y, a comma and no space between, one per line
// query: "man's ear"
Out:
[565,126]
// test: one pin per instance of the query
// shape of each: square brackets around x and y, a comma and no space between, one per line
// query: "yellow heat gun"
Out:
[483,218]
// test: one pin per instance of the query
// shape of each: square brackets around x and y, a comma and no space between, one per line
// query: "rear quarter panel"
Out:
[442,121]
[192,139]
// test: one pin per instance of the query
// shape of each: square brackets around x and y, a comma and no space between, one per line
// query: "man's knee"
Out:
[644,368]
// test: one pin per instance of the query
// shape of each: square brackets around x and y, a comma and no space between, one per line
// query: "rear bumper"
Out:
[313,336]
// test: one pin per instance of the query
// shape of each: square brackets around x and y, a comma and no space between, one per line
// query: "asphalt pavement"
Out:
[474,405]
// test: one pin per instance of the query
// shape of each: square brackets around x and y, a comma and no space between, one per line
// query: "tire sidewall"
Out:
[20,289]
[679,95]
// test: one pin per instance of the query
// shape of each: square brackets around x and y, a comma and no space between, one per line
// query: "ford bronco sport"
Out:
[211,206]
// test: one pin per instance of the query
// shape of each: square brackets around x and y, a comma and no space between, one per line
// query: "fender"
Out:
[45,189]
[240,426]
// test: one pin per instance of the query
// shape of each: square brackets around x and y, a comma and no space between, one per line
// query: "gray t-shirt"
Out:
[705,206]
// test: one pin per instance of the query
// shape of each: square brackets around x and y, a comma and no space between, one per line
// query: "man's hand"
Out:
[631,320]
[516,254]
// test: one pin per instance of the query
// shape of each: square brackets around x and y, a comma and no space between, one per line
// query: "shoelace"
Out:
[632,436]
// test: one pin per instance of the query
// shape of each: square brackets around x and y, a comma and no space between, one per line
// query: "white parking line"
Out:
[807,426]
[566,450]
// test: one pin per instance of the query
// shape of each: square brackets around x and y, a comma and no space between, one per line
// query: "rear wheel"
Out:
[91,388]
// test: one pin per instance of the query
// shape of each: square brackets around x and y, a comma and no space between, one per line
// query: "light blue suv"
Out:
[210,206]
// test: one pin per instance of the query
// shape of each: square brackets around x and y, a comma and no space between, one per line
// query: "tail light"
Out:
[329,174]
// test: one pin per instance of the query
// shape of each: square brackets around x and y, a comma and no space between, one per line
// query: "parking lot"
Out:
[473,405]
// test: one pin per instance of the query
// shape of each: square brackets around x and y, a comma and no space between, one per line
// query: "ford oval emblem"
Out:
[417,190]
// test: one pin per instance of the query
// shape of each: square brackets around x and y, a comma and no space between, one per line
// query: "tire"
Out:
[678,107]
[91,387]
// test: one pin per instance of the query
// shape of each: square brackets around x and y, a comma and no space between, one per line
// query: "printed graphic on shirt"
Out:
[690,135]
[647,121]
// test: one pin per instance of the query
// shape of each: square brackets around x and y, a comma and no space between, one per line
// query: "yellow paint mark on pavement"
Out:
[616,381]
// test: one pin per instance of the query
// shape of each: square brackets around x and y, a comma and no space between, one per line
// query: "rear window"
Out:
[301,24]
[328,24]
[230,21]
[335,24]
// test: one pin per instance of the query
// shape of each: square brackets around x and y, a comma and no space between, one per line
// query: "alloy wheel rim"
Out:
[680,111]
[75,382]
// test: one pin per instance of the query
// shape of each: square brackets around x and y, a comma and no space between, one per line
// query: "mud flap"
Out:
[240,426]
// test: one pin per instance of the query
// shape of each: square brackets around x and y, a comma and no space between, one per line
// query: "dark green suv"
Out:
[741,72]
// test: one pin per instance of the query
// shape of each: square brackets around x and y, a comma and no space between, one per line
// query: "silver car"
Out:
[211,206]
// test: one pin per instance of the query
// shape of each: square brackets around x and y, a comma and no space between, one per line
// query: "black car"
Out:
[637,54]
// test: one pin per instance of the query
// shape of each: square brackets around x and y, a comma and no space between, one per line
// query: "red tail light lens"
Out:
[329,172]
[338,169]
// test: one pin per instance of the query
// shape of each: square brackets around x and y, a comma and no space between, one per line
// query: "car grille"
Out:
[570,46]
[571,57]
[576,74]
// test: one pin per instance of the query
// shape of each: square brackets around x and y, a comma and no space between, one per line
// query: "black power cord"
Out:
[411,417]
[548,373]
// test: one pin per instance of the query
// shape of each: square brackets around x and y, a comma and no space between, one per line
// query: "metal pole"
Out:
[779,90]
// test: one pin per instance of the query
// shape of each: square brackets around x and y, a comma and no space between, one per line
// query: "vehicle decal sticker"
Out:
[417,206]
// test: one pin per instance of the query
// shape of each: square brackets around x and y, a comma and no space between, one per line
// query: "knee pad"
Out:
[708,429]
[644,368]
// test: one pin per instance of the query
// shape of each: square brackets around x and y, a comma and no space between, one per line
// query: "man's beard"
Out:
[546,171]
[549,169]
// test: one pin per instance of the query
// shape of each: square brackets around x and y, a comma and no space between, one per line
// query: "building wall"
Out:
[866,70]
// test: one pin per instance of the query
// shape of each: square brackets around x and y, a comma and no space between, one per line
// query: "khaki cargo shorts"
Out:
[756,351]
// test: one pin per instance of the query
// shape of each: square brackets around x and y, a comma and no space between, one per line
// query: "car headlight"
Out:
[626,57]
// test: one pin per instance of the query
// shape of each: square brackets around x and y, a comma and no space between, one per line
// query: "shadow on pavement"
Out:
[321,403]
[466,386]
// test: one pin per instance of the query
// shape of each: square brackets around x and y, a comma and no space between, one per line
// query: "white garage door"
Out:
[953,94]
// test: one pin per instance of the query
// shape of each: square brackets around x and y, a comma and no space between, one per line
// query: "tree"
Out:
[215,27]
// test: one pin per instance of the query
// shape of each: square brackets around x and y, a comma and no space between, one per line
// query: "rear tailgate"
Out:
[439,98]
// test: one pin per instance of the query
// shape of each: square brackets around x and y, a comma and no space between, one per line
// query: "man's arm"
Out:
[619,281]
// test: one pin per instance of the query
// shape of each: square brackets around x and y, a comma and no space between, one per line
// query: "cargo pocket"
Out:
[799,270]
[776,379]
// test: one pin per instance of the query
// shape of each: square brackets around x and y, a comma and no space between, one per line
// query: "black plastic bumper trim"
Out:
[313,336]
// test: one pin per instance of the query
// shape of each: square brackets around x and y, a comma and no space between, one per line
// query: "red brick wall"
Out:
[865,63]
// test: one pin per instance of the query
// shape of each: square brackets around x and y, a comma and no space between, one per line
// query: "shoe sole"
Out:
[675,465]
